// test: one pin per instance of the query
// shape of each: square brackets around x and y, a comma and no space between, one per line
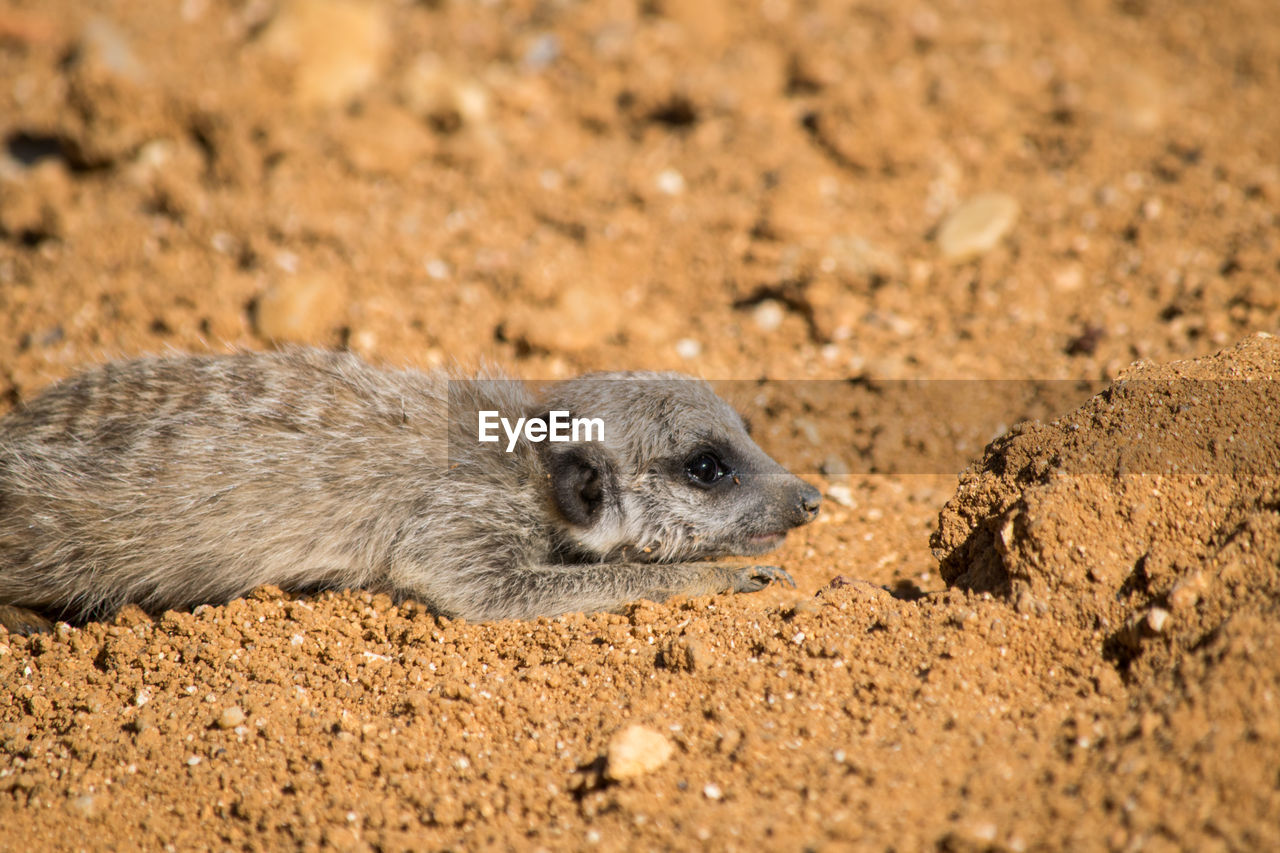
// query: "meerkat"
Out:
[176,481]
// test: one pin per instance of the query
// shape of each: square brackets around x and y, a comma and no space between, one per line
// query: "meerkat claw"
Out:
[755,578]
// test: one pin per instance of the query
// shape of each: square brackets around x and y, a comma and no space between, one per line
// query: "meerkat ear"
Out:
[582,479]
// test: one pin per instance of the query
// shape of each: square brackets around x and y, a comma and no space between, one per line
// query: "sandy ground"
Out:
[1080,648]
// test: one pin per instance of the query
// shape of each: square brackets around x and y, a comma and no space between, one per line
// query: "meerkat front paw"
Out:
[753,578]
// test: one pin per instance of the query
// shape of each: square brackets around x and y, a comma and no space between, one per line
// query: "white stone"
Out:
[688,348]
[843,495]
[670,182]
[768,315]
[977,225]
[635,751]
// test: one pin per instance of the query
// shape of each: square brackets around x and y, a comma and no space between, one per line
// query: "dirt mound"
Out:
[1148,522]
[1153,510]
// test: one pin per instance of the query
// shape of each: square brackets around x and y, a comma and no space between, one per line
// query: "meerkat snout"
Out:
[810,502]
[807,502]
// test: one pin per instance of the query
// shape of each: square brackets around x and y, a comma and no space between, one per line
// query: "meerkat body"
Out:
[170,482]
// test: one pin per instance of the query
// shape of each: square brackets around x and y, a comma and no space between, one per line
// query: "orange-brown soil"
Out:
[1073,645]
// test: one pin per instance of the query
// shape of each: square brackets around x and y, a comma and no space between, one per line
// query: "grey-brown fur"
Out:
[170,482]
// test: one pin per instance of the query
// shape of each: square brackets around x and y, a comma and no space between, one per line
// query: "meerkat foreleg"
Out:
[21,620]
[554,589]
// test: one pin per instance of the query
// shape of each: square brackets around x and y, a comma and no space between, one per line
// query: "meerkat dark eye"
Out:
[705,468]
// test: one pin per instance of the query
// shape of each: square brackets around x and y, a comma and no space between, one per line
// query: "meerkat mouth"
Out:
[761,542]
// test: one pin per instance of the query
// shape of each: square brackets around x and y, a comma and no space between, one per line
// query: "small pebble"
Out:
[287,261]
[856,256]
[977,225]
[1157,619]
[145,721]
[365,342]
[1187,592]
[299,309]
[768,315]
[635,751]
[980,833]
[712,791]
[1139,98]
[582,316]
[222,242]
[85,805]
[337,47]
[670,182]
[230,717]
[688,348]
[1069,278]
[843,495]
[447,98]
[800,607]
[834,466]
[437,269]
[544,50]
[104,45]
[685,654]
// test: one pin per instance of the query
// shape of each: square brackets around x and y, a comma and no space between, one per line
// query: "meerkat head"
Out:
[675,476]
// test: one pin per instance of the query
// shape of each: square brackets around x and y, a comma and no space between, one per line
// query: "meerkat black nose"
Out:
[809,501]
